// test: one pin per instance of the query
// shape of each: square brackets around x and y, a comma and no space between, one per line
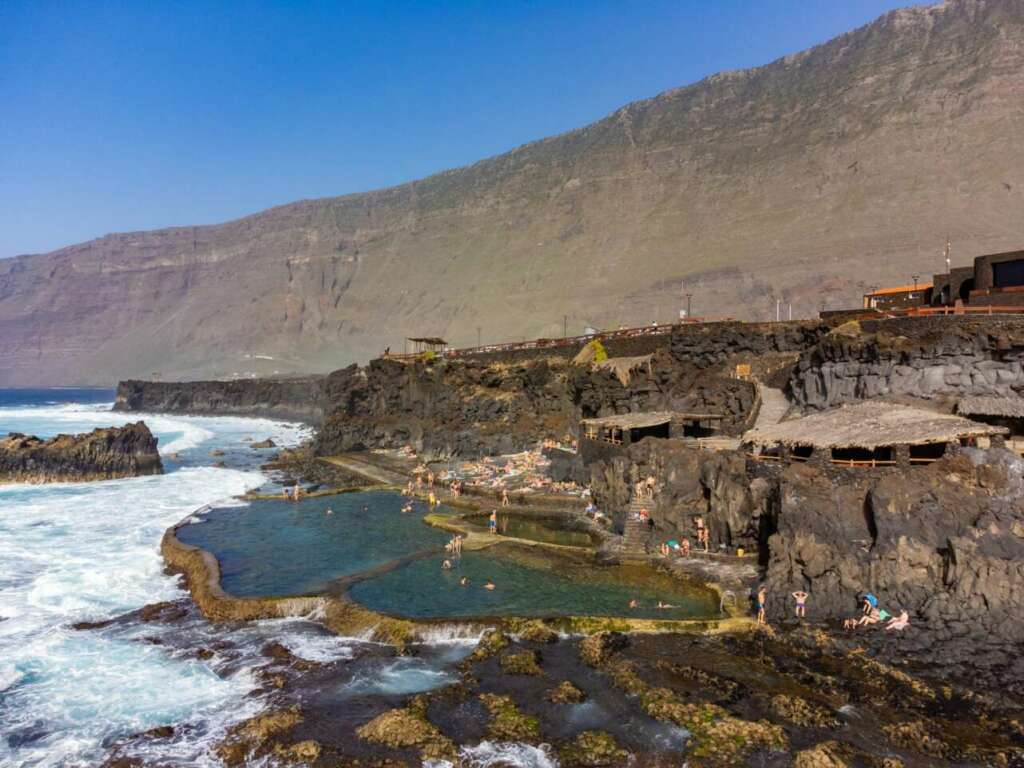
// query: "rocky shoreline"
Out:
[943,540]
[103,454]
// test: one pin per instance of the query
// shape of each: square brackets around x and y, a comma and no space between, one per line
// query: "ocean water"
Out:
[90,552]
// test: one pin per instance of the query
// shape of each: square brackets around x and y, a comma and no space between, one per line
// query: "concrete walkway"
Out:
[774,406]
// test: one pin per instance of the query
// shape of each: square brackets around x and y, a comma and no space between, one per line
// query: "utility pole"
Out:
[688,297]
[565,326]
[947,254]
[791,311]
[778,310]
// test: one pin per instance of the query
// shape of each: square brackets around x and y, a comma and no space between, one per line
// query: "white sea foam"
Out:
[90,551]
[506,754]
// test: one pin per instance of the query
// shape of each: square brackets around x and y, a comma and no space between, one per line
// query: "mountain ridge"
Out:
[747,187]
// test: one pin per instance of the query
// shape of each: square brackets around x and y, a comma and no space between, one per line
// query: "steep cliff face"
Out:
[103,454]
[945,542]
[297,399]
[917,357]
[803,181]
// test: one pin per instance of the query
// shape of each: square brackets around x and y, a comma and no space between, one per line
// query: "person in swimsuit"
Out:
[504,497]
[446,564]
[801,603]
[762,597]
[492,521]
[463,582]
[489,585]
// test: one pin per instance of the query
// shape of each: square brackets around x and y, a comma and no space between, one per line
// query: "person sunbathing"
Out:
[900,622]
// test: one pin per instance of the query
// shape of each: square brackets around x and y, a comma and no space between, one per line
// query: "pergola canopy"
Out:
[870,425]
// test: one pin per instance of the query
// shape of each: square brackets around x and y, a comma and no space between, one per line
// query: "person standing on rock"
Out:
[492,522]
[504,497]
[762,597]
[801,603]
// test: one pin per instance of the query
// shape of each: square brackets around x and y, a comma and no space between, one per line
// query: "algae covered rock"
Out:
[598,649]
[915,736]
[593,749]
[491,643]
[253,738]
[565,693]
[403,728]
[828,754]
[523,663]
[802,712]
[508,723]
[537,632]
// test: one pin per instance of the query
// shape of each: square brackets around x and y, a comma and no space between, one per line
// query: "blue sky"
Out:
[118,116]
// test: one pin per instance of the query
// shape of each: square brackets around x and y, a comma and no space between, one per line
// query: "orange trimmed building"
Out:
[899,297]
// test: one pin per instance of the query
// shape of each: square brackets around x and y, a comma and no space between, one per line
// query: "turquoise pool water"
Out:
[422,589]
[281,548]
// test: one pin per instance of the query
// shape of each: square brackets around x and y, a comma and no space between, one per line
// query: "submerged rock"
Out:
[103,454]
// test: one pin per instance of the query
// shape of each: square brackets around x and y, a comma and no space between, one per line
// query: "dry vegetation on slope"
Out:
[805,180]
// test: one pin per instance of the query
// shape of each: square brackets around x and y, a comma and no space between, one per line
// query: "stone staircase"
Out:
[636,534]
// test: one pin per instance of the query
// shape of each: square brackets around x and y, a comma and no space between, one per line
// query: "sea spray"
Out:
[89,551]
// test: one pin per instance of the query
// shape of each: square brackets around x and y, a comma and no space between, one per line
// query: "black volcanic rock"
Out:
[102,454]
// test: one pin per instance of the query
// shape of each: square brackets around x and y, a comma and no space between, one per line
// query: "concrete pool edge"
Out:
[345,617]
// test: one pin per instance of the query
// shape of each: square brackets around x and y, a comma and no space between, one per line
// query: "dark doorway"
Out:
[658,430]
[694,429]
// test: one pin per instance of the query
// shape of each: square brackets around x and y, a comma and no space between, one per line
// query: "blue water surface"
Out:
[279,548]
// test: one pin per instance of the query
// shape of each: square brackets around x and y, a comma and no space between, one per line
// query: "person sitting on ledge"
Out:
[869,602]
[899,623]
[685,546]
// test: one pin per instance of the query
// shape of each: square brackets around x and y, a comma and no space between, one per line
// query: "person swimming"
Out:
[329,511]
[446,564]
[664,606]
[463,582]
[489,585]
[633,603]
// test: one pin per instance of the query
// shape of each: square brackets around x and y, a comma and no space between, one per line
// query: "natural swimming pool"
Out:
[547,530]
[422,589]
[279,548]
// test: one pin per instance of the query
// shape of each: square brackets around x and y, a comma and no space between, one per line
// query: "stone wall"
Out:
[915,357]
